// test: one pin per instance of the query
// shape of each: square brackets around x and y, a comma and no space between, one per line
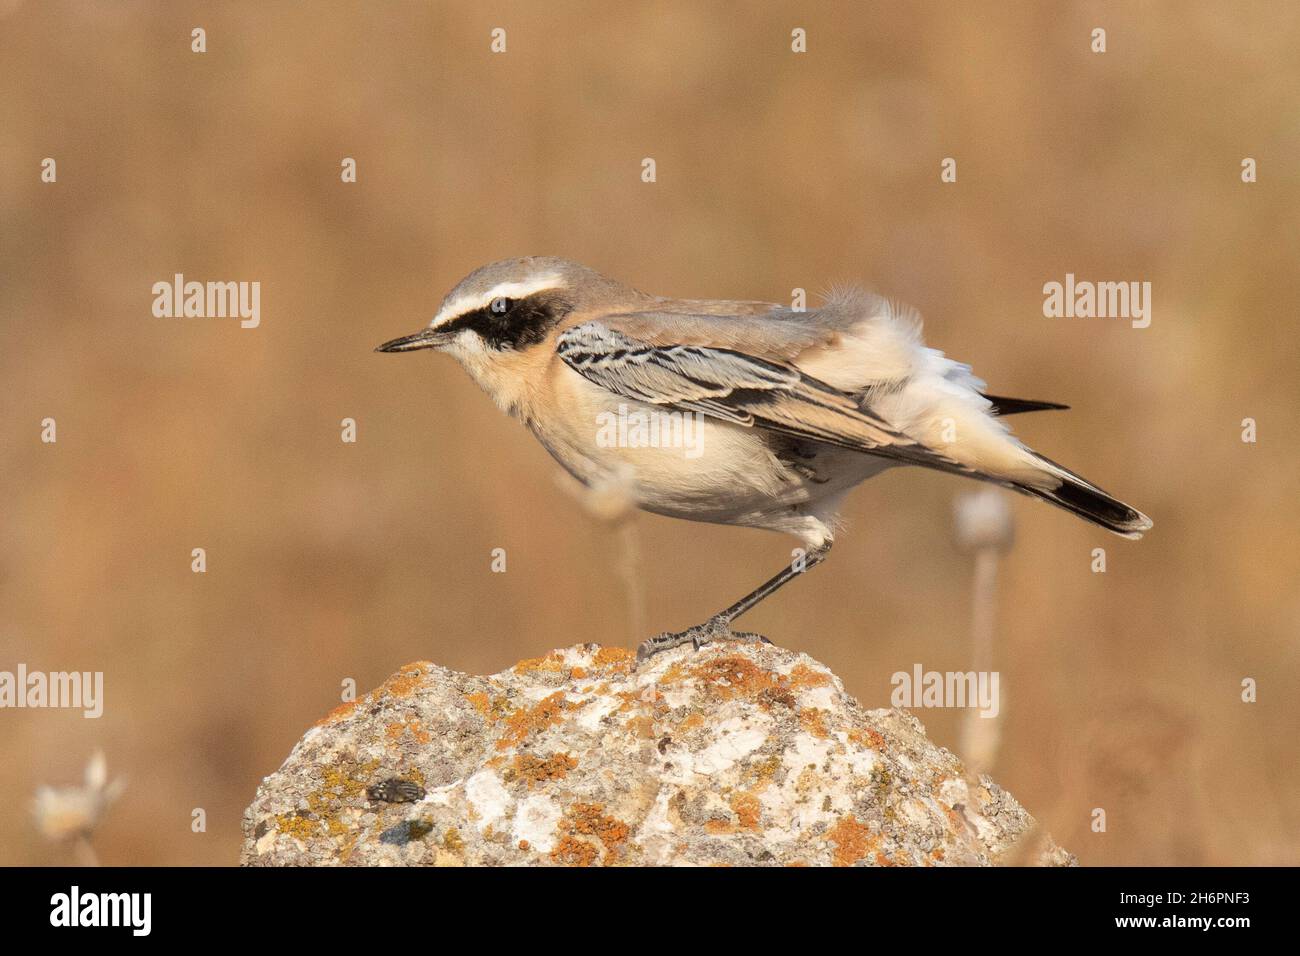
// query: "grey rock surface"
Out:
[741,754]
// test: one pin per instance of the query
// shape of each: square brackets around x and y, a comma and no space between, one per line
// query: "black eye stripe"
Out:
[513,323]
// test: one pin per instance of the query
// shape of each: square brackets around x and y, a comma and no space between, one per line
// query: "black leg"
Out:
[719,626]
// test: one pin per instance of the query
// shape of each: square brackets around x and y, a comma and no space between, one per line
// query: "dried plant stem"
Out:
[629,565]
[980,735]
[984,608]
[85,853]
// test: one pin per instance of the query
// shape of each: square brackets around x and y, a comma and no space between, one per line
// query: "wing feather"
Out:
[736,387]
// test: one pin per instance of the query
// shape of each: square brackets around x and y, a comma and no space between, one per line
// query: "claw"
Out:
[714,629]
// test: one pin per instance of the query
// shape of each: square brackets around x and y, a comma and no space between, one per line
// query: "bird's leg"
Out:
[718,627]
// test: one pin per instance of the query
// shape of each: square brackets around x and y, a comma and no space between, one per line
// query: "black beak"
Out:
[424,339]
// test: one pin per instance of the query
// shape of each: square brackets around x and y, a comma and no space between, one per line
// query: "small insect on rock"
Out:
[395,790]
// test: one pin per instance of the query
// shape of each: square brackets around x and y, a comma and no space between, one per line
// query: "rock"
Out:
[736,754]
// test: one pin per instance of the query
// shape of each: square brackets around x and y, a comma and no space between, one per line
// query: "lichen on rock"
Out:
[740,754]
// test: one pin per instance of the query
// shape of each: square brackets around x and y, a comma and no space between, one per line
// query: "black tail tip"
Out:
[1096,506]
[1003,405]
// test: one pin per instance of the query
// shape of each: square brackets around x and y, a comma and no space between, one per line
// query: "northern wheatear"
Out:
[794,407]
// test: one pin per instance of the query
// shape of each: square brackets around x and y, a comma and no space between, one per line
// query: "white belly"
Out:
[687,465]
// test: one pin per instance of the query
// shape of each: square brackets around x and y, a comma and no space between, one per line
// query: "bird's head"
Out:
[498,322]
[506,307]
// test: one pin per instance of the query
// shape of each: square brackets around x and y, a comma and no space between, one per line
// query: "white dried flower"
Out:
[65,812]
[983,520]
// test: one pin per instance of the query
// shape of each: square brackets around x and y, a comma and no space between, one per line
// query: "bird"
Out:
[789,408]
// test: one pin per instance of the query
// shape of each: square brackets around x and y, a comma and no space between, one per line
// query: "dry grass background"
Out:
[329,561]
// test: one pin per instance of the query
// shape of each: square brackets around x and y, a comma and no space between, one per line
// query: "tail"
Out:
[1014,406]
[1081,497]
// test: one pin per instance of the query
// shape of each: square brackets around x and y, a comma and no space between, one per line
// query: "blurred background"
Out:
[328,561]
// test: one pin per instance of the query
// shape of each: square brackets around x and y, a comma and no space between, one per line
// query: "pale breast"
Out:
[686,464]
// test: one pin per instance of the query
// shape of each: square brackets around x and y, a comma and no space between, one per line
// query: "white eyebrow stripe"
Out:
[502,290]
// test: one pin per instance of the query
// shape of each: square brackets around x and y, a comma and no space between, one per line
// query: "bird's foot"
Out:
[714,629]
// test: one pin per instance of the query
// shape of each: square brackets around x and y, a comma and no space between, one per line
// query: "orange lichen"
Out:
[747,810]
[612,656]
[394,731]
[675,673]
[813,720]
[733,676]
[297,826]
[530,720]
[570,851]
[630,700]
[765,772]
[802,676]
[523,845]
[641,727]
[537,770]
[489,708]
[479,701]
[591,820]
[719,826]
[552,662]
[343,784]
[853,841]
[690,723]
[338,713]
[405,681]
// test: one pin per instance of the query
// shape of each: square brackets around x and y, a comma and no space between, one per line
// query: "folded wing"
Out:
[733,386]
